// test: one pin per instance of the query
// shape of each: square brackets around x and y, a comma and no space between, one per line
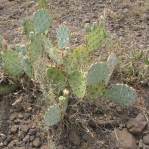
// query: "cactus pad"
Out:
[43,4]
[63,36]
[57,78]
[52,115]
[42,21]
[97,74]
[95,38]
[121,93]
[112,61]
[77,83]
[12,63]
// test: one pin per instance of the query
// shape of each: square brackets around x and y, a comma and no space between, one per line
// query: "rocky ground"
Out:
[100,125]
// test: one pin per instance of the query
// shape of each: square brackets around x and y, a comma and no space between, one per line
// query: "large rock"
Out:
[124,139]
[137,125]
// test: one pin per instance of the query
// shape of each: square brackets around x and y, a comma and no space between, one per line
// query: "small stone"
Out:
[13,116]
[74,138]
[20,116]
[32,131]
[14,129]
[37,142]
[146,139]
[137,125]
[125,140]
[26,139]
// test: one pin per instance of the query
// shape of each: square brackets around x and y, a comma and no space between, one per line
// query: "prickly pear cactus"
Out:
[21,50]
[35,49]
[76,60]
[57,78]
[95,37]
[112,61]
[52,115]
[28,27]
[77,83]
[63,36]
[12,63]
[121,93]
[98,74]
[42,21]
[43,4]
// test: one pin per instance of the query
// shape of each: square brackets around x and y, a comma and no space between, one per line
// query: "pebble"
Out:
[124,139]
[137,125]
[14,129]
[146,139]
[74,138]
[37,142]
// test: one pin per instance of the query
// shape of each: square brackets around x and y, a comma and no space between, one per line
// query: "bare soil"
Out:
[87,125]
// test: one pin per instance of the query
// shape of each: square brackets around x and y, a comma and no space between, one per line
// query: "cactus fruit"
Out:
[63,36]
[77,83]
[52,115]
[95,38]
[12,63]
[42,21]
[97,74]
[57,78]
[121,93]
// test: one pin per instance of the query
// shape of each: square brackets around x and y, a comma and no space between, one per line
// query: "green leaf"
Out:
[43,4]
[12,63]
[52,115]
[5,89]
[42,21]
[57,78]
[77,83]
[63,36]
[98,74]
[96,37]
[121,93]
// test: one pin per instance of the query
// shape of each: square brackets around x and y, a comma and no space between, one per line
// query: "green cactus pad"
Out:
[52,115]
[12,63]
[97,74]
[95,38]
[77,59]
[77,83]
[112,61]
[121,93]
[35,49]
[57,78]
[43,4]
[21,49]
[42,21]
[53,52]
[28,27]
[95,91]
[63,36]
[27,67]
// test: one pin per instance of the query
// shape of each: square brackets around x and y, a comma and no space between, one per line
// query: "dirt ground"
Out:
[90,125]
